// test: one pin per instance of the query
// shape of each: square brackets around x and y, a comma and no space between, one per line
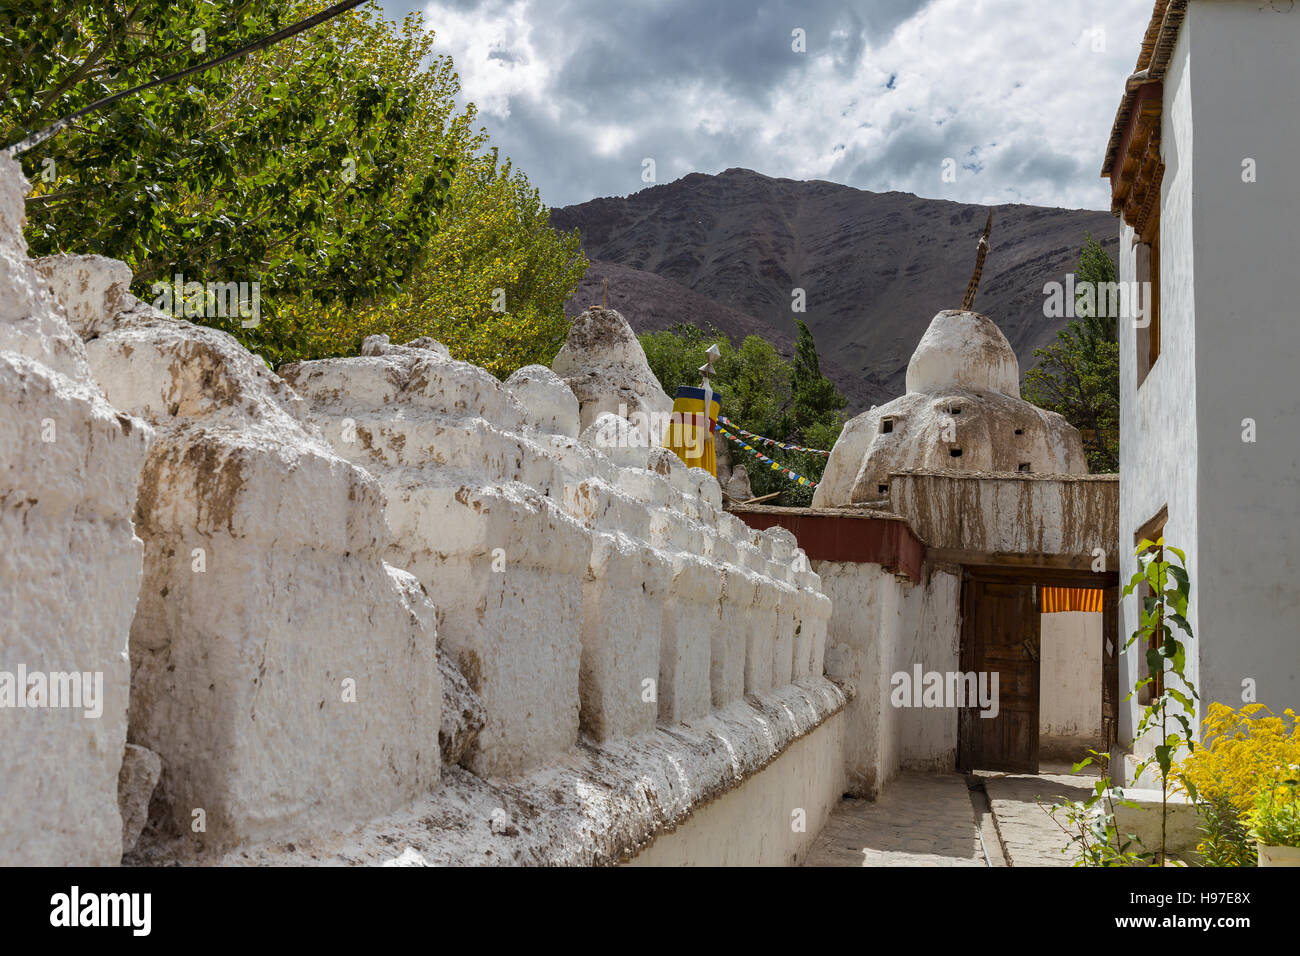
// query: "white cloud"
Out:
[1016,91]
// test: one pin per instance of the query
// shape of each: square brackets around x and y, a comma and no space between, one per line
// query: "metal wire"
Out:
[35,139]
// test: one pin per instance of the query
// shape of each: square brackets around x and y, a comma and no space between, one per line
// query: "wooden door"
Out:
[1001,634]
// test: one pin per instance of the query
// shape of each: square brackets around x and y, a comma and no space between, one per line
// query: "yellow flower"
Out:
[1241,753]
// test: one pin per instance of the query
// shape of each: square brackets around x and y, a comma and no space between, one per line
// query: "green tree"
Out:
[289,167]
[816,400]
[1078,375]
[758,392]
[495,276]
[334,168]
[676,353]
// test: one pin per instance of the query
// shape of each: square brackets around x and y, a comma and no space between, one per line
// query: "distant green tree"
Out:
[1078,376]
[676,353]
[816,400]
[761,393]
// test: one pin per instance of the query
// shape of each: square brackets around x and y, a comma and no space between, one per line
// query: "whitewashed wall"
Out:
[70,568]
[1245,74]
[1230,344]
[1069,713]
[1158,434]
[881,625]
[281,682]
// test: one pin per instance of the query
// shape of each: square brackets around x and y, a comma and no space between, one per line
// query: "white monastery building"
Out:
[1204,162]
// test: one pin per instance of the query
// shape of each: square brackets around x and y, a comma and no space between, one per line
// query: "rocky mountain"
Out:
[731,249]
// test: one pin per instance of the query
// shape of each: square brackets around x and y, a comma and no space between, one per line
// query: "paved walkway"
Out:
[1029,836]
[919,820]
[937,820]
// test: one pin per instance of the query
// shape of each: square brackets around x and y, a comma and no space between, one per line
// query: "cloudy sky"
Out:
[1013,98]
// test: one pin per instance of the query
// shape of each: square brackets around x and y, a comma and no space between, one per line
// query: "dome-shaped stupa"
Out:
[962,411]
[967,350]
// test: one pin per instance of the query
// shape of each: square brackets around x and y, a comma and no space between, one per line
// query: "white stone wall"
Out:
[1244,73]
[70,566]
[267,653]
[1159,442]
[880,625]
[1069,712]
[929,635]
[585,585]
[772,819]
[285,674]
[1229,347]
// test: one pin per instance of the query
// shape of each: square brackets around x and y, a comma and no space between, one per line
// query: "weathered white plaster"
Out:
[468,501]
[549,404]
[285,675]
[622,625]
[966,350]
[92,290]
[70,564]
[1069,680]
[929,635]
[1229,345]
[772,819]
[607,609]
[880,625]
[1182,826]
[962,411]
[141,769]
[601,805]
[1066,520]
[688,620]
[605,366]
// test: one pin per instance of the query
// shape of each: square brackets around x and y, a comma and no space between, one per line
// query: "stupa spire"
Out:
[973,286]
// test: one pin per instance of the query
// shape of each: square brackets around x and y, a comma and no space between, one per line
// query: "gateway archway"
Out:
[1002,610]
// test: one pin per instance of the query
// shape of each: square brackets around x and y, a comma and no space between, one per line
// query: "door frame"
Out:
[1107,581]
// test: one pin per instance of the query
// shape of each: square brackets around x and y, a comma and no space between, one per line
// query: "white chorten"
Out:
[962,411]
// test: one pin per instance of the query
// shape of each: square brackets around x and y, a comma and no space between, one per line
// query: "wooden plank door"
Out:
[1001,634]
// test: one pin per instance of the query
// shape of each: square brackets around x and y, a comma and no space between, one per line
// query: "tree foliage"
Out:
[1078,375]
[334,168]
[761,392]
[289,167]
[492,286]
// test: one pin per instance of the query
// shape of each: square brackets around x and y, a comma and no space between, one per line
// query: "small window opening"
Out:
[1020,431]
[883,489]
[886,425]
[954,452]
[1148,333]
[1023,466]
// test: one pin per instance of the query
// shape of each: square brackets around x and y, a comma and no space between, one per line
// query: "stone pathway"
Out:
[1029,835]
[936,820]
[919,820]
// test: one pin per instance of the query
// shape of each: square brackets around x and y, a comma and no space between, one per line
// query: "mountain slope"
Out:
[730,249]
